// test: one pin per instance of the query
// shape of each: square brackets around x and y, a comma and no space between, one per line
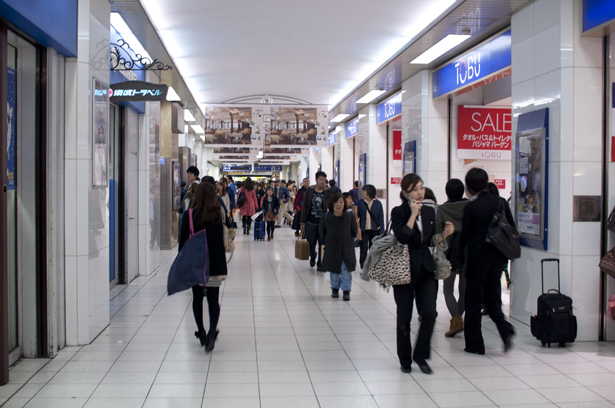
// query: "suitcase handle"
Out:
[542,273]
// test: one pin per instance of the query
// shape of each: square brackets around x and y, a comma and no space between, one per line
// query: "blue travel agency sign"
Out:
[487,59]
[389,109]
[352,128]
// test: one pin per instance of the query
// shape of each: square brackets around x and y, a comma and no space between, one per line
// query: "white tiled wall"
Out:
[554,67]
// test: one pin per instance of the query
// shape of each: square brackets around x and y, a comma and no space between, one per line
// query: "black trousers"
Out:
[246,221]
[484,286]
[423,288]
[270,228]
[313,237]
[366,243]
[198,293]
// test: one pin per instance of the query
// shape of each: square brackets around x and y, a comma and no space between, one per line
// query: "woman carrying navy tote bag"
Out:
[201,258]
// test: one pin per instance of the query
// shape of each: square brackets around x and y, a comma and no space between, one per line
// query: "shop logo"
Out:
[468,68]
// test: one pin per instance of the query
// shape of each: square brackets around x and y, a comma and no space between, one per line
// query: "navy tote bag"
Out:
[191,267]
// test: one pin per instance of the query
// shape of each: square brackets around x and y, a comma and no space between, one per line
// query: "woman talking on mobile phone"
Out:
[414,225]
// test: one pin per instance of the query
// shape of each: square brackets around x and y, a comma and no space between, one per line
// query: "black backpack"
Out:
[555,322]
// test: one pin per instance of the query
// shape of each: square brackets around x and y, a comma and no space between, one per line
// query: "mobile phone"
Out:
[407,196]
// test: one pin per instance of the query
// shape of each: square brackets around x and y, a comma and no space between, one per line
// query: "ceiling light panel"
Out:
[188,117]
[440,48]
[370,96]
[172,96]
[198,129]
[340,117]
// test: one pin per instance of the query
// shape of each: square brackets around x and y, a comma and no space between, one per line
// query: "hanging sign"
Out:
[132,91]
[484,133]
[352,128]
[397,149]
[331,139]
[236,167]
[267,168]
[389,109]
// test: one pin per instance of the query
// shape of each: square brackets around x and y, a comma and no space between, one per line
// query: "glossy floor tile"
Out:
[284,342]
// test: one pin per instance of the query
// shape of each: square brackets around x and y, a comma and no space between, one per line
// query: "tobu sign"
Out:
[484,133]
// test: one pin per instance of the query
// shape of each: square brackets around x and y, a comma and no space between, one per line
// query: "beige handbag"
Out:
[228,237]
[443,265]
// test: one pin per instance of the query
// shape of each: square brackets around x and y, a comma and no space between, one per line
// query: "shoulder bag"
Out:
[438,252]
[607,264]
[393,264]
[503,236]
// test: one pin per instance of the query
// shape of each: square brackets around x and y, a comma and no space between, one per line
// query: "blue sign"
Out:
[488,59]
[389,109]
[51,23]
[331,138]
[267,168]
[236,167]
[10,160]
[597,12]
[352,128]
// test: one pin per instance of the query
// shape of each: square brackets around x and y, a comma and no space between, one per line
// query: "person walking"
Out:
[284,196]
[249,207]
[452,211]
[414,225]
[371,220]
[314,207]
[484,270]
[355,192]
[334,189]
[338,230]
[271,206]
[430,199]
[299,206]
[224,195]
[207,215]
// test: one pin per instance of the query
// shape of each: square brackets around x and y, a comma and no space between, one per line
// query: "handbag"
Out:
[610,224]
[438,252]
[191,266]
[241,199]
[228,238]
[393,264]
[503,236]
[302,249]
[607,263]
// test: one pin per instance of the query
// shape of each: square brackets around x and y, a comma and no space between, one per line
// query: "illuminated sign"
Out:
[236,167]
[331,139]
[132,91]
[483,61]
[484,133]
[389,109]
[597,13]
[352,128]
[267,168]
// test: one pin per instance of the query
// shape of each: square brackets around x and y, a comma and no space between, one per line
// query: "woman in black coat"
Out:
[271,206]
[207,214]
[338,229]
[414,225]
[485,263]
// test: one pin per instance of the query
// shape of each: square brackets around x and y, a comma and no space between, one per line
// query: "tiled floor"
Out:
[284,342]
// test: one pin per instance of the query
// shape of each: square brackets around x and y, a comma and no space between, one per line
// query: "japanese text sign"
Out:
[397,149]
[484,133]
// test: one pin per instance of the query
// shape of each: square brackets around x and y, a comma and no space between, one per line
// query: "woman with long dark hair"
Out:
[371,220]
[207,214]
[248,209]
[271,206]
[414,225]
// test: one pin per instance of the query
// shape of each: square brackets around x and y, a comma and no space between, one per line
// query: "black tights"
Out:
[246,221]
[198,292]
[270,228]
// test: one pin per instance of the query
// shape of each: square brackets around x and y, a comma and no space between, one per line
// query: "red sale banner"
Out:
[397,149]
[500,183]
[484,133]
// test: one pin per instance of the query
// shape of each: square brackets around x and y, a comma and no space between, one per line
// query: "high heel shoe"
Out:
[202,337]
[211,340]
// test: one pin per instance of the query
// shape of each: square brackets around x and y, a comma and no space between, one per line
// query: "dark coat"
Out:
[307,203]
[477,216]
[420,256]
[215,241]
[275,203]
[377,219]
[231,195]
[338,234]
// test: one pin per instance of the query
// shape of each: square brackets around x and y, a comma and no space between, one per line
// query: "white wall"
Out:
[554,67]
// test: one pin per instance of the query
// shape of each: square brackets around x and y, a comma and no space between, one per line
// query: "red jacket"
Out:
[251,205]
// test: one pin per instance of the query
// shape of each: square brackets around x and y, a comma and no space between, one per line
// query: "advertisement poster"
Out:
[100,135]
[484,133]
[10,132]
[530,190]
[296,126]
[228,125]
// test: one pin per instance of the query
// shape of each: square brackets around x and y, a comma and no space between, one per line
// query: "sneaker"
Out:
[346,296]
[335,293]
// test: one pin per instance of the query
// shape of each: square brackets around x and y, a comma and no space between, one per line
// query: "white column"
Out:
[313,164]
[376,155]
[553,66]
[327,161]
[346,162]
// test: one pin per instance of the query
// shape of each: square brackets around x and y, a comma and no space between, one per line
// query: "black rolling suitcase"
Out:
[555,322]
[259,231]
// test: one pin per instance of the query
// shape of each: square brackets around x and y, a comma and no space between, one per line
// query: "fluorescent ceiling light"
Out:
[340,117]
[441,47]
[198,129]
[186,129]
[370,96]
[338,129]
[362,116]
[126,33]
[172,96]
[188,116]
[203,137]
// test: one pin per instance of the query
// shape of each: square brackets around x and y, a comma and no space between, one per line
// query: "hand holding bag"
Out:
[302,249]
[438,252]
[503,236]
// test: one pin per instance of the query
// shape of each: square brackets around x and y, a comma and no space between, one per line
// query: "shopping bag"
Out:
[302,249]
[258,216]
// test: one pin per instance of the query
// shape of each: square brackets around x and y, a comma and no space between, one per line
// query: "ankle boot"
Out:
[456,326]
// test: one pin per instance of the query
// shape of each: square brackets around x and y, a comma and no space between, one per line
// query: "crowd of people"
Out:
[336,223]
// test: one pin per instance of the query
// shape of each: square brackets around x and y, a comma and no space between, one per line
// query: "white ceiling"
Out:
[316,51]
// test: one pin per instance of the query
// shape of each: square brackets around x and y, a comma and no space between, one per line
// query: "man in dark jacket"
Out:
[355,193]
[314,207]
[230,191]
[334,189]
[485,263]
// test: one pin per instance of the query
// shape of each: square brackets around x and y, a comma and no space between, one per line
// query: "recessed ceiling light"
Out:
[444,45]
[340,117]
[197,129]
[172,96]
[188,116]
[370,96]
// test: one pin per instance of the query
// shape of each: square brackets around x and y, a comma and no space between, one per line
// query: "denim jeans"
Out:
[345,278]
